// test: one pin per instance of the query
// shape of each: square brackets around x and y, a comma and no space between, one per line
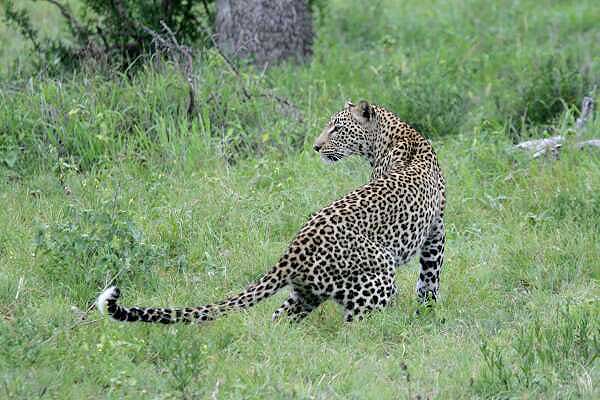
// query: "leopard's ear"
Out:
[363,112]
[349,104]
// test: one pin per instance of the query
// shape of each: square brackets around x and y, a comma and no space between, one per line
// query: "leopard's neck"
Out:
[395,145]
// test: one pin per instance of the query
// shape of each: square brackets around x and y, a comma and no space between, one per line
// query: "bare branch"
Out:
[539,144]
[540,147]
[74,24]
[587,144]
[182,55]
[230,64]
[284,102]
[552,146]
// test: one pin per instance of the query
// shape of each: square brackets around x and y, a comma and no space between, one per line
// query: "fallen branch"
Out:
[539,147]
[551,146]
[586,144]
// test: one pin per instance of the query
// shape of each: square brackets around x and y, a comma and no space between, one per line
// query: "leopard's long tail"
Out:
[268,285]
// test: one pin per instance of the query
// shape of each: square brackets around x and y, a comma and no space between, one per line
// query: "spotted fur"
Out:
[349,250]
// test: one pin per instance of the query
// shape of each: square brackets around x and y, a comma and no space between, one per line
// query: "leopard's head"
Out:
[348,132]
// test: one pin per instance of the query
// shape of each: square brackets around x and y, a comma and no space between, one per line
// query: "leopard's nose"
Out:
[317,147]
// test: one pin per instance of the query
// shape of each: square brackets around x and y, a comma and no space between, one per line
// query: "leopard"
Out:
[350,250]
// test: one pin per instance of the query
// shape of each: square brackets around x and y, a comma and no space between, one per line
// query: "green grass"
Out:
[103,176]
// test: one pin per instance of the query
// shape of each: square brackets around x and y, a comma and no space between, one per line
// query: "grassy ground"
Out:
[103,177]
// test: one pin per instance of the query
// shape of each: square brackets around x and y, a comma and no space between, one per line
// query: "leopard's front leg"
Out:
[431,260]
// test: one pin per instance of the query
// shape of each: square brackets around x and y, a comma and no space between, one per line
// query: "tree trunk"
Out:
[264,31]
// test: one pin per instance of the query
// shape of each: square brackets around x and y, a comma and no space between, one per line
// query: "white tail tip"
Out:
[112,293]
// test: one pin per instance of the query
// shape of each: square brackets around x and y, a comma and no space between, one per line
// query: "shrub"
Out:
[118,31]
[115,31]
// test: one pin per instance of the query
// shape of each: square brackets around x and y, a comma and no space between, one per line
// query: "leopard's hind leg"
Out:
[369,284]
[297,307]
[359,303]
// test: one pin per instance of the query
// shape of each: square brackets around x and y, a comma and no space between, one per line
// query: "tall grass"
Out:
[443,66]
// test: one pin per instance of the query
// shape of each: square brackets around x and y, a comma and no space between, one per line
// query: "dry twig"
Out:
[182,55]
[71,20]
[268,94]
[230,64]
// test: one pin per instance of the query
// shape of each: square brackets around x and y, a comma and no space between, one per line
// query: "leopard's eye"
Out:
[331,132]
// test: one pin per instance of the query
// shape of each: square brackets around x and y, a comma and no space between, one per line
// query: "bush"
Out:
[119,31]
[115,31]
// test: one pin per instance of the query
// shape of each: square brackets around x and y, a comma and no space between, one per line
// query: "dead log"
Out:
[540,147]
[552,145]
